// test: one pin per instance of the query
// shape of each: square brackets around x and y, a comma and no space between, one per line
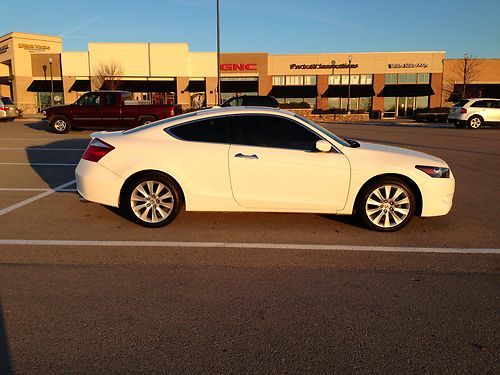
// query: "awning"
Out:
[239,86]
[196,86]
[491,90]
[341,91]
[142,86]
[294,91]
[41,85]
[80,85]
[407,90]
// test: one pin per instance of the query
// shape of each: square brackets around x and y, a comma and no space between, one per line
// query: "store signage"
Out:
[323,66]
[238,67]
[33,47]
[4,48]
[408,65]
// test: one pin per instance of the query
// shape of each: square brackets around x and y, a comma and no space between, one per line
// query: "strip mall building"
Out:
[398,84]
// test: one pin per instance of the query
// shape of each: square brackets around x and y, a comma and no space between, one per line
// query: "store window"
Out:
[422,104]
[357,105]
[423,78]
[356,79]
[278,80]
[391,79]
[389,107]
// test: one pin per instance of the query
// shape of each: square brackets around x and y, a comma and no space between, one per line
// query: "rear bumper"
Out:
[8,115]
[98,184]
[437,196]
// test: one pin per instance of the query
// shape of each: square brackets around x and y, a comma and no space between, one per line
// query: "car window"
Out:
[497,104]
[6,100]
[213,130]
[89,100]
[460,103]
[271,131]
[108,99]
[480,104]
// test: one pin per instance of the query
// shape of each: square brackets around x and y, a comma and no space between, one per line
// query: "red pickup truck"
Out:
[106,110]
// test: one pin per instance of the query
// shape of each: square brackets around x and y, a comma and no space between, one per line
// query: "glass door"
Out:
[401,106]
[406,106]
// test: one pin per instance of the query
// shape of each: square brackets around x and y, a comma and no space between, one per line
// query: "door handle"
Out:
[240,155]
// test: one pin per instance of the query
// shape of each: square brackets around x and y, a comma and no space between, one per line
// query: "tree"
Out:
[107,76]
[462,73]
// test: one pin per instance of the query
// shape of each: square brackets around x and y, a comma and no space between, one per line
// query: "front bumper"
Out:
[437,196]
[98,184]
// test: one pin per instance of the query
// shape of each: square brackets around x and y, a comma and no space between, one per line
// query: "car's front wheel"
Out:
[152,200]
[386,205]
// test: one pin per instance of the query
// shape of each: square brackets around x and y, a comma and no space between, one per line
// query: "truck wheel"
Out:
[60,124]
[146,120]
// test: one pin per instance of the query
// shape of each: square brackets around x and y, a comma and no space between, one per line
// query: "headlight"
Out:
[436,172]
[44,113]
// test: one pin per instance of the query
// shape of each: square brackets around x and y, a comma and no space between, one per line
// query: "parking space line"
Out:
[34,189]
[43,164]
[35,198]
[14,242]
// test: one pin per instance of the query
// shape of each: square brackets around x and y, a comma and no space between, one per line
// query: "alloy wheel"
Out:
[60,125]
[475,123]
[152,201]
[388,206]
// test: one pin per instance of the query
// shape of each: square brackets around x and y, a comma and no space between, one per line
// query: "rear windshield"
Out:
[6,100]
[460,103]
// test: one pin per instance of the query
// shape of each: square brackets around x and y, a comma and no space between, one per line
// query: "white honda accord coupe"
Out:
[259,160]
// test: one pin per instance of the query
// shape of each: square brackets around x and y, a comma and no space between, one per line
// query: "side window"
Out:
[209,130]
[89,100]
[271,131]
[480,104]
[497,104]
[108,99]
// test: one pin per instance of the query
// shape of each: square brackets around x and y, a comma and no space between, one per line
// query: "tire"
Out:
[475,122]
[146,120]
[148,206]
[60,124]
[386,205]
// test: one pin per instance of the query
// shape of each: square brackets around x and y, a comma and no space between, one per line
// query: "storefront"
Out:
[36,73]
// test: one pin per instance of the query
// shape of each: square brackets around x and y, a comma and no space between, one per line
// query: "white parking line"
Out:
[34,189]
[35,198]
[13,242]
[43,164]
[39,149]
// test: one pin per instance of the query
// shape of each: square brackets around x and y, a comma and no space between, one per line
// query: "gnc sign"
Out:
[237,67]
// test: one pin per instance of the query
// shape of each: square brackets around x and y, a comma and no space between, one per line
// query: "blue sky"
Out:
[274,26]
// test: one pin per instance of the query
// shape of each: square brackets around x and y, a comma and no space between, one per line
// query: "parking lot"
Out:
[240,289]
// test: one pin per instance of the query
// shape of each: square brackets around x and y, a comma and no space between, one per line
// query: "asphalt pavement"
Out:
[83,289]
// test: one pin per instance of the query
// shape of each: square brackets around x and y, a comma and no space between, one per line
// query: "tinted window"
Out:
[210,130]
[480,103]
[89,100]
[271,131]
[6,100]
[108,99]
[460,103]
[264,101]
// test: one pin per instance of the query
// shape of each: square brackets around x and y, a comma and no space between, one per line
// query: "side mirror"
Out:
[323,146]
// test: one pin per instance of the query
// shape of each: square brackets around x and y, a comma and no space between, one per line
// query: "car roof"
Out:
[481,99]
[243,110]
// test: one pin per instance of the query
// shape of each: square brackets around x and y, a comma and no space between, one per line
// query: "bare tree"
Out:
[107,75]
[462,74]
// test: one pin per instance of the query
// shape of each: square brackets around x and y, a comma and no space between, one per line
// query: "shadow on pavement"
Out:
[5,360]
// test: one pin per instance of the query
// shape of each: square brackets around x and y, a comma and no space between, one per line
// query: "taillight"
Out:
[172,111]
[96,150]
[463,110]
[5,108]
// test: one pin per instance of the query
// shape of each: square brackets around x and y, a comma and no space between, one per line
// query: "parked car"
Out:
[8,110]
[105,109]
[475,113]
[259,160]
[251,100]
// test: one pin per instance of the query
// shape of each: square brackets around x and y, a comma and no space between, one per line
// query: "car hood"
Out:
[57,108]
[397,154]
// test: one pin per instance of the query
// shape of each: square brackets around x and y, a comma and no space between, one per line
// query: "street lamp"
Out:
[464,89]
[218,56]
[51,83]
[349,88]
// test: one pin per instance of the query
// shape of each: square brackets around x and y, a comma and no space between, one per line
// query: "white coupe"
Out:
[259,160]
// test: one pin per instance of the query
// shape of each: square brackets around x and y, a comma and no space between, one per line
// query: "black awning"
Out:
[341,91]
[80,85]
[41,85]
[141,86]
[239,86]
[491,90]
[196,86]
[407,90]
[294,92]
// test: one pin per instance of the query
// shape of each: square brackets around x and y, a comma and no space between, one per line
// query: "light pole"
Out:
[51,83]
[218,55]
[349,88]
[466,58]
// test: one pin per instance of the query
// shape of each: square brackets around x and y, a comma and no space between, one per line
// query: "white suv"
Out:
[475,112]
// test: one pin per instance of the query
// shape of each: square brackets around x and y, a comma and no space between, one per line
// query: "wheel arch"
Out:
[147,172]
[414,187]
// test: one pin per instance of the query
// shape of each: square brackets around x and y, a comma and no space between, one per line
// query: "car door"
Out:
[274,165]
[86,111]
[495,110]
[110,110]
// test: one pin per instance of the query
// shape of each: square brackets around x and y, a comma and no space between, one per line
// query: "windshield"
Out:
[6,100]
[162,122]
[342,141]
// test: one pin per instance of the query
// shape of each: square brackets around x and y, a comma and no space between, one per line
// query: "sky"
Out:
[273,26]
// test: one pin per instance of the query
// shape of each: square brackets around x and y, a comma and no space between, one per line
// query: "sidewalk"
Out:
[397,122]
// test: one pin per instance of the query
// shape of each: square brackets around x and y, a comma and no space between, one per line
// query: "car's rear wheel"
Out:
[475,122]
[60,124]
[386,205]
[152,200]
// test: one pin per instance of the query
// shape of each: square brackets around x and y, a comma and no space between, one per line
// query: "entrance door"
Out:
[406,106]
